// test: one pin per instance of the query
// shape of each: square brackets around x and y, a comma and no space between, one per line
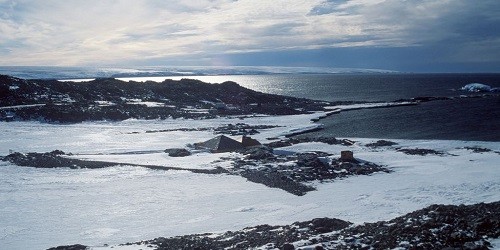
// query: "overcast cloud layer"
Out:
[419,35]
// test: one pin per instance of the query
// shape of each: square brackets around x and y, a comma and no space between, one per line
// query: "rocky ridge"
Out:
[435,227]
[115,100]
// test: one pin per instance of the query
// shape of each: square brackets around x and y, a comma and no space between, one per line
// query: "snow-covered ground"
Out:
[40,208]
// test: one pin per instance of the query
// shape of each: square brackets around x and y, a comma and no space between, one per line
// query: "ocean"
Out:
[458,119]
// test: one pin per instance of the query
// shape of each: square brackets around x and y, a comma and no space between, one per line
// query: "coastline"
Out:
[421,181]
[140,192]
[467,119]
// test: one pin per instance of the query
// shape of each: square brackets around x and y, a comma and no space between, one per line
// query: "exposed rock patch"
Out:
[70,247]
[57,159]
[478,149]
[229,129]
[303,139]
[177,152]
[420,151]
[381,143]
[434,227]
[115,100]
[52,159]
[292,173]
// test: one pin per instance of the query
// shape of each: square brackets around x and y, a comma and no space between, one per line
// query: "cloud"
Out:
[94,32]
[328,7]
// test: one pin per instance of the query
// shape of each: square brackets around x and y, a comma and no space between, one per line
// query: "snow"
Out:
[105,103]
[302,130]
[78,80]
[201,160]
[124,247]
[41,208]
[146,103]
[495,243]
[339,108]
[22,106]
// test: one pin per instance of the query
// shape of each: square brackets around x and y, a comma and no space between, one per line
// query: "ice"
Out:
[495,243]
[22,106]
[41,208]
[339,108]
[302,130]
[478,87]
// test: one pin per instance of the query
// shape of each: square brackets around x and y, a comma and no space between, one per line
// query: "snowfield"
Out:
[41,208]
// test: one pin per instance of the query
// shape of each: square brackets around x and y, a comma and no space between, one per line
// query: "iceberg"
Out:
[478,87]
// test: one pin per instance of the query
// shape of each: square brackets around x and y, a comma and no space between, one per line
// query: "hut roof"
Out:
[220,144]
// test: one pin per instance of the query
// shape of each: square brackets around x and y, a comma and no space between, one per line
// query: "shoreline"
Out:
[128,199]
[434,120]
[414,184]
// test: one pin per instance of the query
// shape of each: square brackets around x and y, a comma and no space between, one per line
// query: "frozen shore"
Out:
[43,208]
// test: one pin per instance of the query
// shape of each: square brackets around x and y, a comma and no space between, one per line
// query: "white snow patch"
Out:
[146,103]
[77,80]
[340,108]
[22,106]
[105,103]
[302,130]
[123,247]
[495,243]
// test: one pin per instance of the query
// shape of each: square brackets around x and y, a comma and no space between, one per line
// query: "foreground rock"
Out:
[434,227]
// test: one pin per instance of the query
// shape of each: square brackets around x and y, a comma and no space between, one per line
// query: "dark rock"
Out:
[478,149]
[419,151]
[303,139]
[57,152]
[70,247]
[177,95]
[49,160]
[177,152]
[381,143]
[434,227]
[52,160]
[258,153]
[276,180]
[260,165]
[310,160]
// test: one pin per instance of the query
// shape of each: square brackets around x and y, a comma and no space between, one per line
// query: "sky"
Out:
[401,35]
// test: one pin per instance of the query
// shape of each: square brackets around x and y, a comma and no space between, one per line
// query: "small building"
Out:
[220,144]
[347,156]
[248,141]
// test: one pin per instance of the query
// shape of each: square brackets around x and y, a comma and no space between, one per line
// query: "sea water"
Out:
[460,119]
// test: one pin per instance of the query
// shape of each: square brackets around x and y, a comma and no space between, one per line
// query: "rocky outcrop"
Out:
[115,100]
[420,151]
[381,143]
[293,173]
[52,159]
[434,227]
[302,139]
[177,152]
